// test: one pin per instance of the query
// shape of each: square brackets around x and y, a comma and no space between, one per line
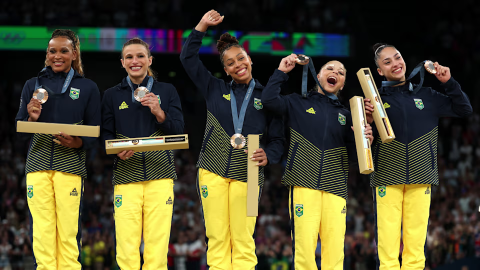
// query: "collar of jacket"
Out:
[49,73]
[258,85]
[144,83]
[388,90]
[322,97]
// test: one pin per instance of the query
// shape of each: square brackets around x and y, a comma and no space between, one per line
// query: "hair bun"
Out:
[378,45]
[225,40]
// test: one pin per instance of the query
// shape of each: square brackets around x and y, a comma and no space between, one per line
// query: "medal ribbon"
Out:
[238,119]
[418,69]
[149,86]
[65,84]
[314,75]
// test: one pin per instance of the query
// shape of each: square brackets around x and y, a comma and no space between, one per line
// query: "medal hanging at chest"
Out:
[42,93]
[238,141]
[141,91]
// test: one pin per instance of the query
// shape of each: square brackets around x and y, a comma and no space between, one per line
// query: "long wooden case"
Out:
[364,150]
[252,176]
[54,128]
[171,142]
[379,114]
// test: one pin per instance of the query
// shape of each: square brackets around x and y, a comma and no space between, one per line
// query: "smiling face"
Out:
[391,64]
[238,65]
[332,77]
[60,54]
[136,62]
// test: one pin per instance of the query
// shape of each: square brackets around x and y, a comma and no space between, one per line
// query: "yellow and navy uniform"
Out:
[55,173]
[321,144]
[406,168]
[143,184]
[222,171]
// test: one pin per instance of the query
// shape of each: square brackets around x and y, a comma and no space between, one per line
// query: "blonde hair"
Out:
[77,63]
[137,40]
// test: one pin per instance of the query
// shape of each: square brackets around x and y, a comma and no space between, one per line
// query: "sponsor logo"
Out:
[311,110]
[344,211]
[169,201]
[386,105]
[427,191]
[74,192]
[123,106]
[227,97]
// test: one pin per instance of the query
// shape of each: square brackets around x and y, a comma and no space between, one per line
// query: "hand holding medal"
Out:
[34,109]
[442,73]
[150,100]
[288,63]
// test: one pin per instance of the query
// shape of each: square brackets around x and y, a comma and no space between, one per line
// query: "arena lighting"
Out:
[170,40]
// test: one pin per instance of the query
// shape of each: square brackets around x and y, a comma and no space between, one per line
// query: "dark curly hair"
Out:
[69,34]
[378,48]
[226,42]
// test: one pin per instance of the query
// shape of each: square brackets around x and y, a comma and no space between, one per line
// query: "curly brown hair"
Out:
[226,42]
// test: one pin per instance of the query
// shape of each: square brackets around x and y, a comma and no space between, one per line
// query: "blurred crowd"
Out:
[454,228]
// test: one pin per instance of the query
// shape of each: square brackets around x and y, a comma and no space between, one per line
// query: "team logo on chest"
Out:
[342,119]
[299,210]
[257,103]
[118,200]
[419,103]
[74,93]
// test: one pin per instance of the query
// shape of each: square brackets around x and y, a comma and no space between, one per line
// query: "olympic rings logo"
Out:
[12,37]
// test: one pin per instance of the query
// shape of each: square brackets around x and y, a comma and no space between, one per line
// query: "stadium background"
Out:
[445,33]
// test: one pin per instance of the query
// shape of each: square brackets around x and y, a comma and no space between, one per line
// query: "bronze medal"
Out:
[430,67]
[41,94]
[302,59]
[238,141]
[140,93]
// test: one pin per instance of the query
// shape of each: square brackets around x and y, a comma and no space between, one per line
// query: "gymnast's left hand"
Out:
[150,100]
[260,156]
[67,140]
[443,73]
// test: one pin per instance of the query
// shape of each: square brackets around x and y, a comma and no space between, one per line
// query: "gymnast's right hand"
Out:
[210,18]
[34,109]
[124,155]
[288,63]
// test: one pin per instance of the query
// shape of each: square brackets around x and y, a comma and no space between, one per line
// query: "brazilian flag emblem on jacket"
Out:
[204,191]
[419,103]
[382,191]
[257,103]
[342,119]
[118,200]
[30,191]
[299,210]
[74,93]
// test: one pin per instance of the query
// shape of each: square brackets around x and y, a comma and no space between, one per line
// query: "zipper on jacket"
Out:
[323,145]
[144,167]
[405,124]
[292,157]
[432,156]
